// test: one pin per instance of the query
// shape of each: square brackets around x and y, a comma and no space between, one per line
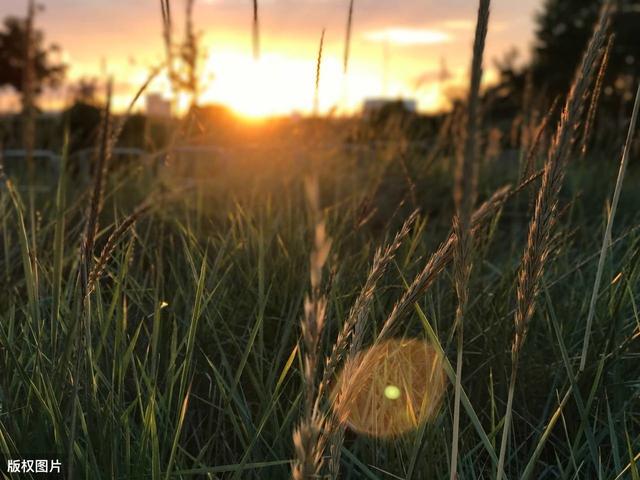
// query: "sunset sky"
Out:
[123,38]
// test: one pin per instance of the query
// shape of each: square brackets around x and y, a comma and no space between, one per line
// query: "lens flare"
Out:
[392,392]
[390,389]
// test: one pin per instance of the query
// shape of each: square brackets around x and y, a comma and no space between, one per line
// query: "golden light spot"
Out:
[391,388]
[392,392]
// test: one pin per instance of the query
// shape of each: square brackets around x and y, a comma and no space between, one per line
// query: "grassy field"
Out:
[156,327]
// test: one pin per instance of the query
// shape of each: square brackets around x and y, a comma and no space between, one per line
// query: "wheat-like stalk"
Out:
[308,439]
[255,31]
[347,40]
[86,257]
[464,196]
[351,336]
[436,264]
[112,242]
[439,260]
[546,205]
[545,214]
[595,96]
[97,195]
[316,93]
[167,36]
[182,77]
[532,152]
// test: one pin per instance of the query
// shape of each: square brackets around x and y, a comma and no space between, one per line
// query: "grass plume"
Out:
[347,39]
[316,92]
[308,437]
[255,31]
[464,196]
[438,261]
[595,96]
[545,215]
[351,336]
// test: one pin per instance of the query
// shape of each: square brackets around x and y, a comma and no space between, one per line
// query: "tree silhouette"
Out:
[13,57]
[563,30]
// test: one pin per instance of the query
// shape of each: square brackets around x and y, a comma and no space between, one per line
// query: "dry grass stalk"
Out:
[465,185]
[112,242]
[308,439]
[95,204]
[255,32]
[423,281]
[351,335]
[595,97]
[167,34]
[190,50]
[86,257]
[532,152]
[464,196]
[184,76]
[553,174]
[347,40]
[124,117]
[606,242]
[545,215]
[444,253]
[29,125]
[442,139]
[530,112]
[316,95]
[439,260]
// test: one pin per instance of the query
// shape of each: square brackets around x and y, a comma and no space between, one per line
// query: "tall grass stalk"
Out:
[80,332]
[545,215]
[29,127]
[438,261]
[97,195]
[347,39]
[464,196]
[255,31]
[606,241]
[595,96]
[308,438]
[351,335]
[167,36]
[181,59]
[109,247]
[316,93]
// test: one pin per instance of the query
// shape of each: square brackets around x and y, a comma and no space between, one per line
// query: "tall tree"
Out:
[20,44]
[563,29]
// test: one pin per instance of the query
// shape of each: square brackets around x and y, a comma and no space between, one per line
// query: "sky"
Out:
[419,49]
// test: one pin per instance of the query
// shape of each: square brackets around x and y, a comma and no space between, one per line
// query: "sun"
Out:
[281,83]
[258,88]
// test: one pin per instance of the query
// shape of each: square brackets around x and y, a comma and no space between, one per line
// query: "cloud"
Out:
[404,36]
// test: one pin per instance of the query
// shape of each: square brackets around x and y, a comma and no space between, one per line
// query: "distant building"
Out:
[374,106]
[157,106]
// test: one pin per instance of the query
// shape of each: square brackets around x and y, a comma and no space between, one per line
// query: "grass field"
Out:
[153,327]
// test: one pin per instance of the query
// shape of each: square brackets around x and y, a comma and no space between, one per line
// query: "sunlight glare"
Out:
[279,84]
